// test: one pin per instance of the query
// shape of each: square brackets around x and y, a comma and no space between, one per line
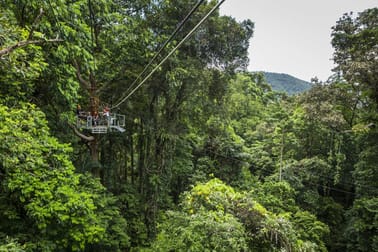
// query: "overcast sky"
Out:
[293,36]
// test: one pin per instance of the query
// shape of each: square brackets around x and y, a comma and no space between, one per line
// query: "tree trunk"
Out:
[141,163]
[132,159]
[95,164]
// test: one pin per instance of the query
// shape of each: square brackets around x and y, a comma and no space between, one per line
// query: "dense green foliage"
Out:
[44,203]
[214,217]
[212,158]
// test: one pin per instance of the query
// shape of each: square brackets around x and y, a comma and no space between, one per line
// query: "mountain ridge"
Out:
[283,82]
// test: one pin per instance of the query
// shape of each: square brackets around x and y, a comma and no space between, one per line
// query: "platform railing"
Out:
[100,123]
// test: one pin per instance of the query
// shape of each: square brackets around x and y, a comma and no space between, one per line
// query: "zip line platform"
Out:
[101,124]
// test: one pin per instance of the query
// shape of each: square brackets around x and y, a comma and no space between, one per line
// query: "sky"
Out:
[293,36]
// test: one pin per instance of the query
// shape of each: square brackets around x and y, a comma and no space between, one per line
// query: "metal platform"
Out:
[118,128]
[101,124]
[99,130]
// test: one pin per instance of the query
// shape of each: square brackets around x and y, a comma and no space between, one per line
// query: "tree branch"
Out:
[81,135]
[82,81]
[24,43]
[35,23]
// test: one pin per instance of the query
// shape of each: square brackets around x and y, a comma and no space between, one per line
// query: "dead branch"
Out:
[24,43]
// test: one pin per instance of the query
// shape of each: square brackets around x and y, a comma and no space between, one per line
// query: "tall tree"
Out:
[355,40]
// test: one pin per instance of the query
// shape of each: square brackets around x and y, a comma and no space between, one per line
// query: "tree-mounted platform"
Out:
[101,124]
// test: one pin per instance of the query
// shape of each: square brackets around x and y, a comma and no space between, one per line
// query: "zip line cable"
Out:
[178,28]
[170,53]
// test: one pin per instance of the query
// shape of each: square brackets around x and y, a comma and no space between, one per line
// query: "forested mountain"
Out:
[286,83]
[211,158]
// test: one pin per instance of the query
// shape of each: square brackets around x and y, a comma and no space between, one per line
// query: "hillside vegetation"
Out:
[286,83]
[201,156]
